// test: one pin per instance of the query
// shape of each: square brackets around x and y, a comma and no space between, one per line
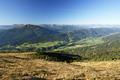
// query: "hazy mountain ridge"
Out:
[29,33]
[20,34]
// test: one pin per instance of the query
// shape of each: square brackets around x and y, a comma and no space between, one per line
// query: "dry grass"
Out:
[20,66]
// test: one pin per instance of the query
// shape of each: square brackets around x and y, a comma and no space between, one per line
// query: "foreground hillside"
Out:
[16,66]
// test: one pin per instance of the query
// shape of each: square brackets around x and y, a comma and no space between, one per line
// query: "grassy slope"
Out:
[32,46]
[21,66]
[103,48]
[39,45]
[82,43]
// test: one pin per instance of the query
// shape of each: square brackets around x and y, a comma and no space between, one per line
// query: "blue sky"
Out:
[59,12]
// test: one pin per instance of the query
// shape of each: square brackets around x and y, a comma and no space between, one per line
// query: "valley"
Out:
[59,39]
[68,52]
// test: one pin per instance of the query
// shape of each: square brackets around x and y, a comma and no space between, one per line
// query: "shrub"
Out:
[57,56]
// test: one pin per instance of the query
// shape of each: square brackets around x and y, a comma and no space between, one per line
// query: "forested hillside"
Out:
[89,43]
[30,34]
[109,49]
[19,34]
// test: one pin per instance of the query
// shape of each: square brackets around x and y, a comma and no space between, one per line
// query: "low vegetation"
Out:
[55,53]
[95,49]
[16,66]
[57,56]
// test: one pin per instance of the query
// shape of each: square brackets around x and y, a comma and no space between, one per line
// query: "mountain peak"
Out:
[24,26]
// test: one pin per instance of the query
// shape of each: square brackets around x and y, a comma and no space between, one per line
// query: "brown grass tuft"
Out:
[20,66]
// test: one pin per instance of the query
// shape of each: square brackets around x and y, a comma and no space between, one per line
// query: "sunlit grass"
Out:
[21,66]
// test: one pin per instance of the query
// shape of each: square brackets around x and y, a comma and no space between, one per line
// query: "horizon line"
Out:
[56,24]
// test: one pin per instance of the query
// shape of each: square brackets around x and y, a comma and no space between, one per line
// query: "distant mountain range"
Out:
[31,34]
[63,27]
[19,34]
[4,27]
[90,43]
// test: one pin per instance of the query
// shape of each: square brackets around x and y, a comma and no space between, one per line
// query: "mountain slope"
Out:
[109,50]
[20,34]
[30,33]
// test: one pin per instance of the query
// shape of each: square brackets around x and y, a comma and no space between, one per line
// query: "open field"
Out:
[20,66]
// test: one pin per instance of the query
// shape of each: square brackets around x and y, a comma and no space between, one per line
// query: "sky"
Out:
[59,12]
